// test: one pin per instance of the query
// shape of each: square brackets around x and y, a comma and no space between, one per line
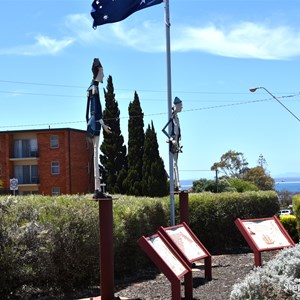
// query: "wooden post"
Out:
[106,249]
[184,207]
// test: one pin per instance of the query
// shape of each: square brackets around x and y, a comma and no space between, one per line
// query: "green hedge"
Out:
[51,244]
[296,208]
[212,216]
[289,222]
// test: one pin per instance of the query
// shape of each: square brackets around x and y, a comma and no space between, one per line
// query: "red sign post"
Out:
[264,234]
[184,207]
[187,245]
[170,263]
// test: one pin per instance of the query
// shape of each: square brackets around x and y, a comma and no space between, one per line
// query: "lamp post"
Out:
[261,87]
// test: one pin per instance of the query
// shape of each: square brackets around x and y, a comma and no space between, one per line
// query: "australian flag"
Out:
[111,11]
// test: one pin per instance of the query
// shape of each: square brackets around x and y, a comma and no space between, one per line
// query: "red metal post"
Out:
[257,258]
[184,207]
[106,249]
[176,290]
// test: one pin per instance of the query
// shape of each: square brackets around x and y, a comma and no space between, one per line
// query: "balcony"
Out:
[29,181]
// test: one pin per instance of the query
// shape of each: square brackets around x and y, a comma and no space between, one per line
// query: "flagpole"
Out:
[169,88]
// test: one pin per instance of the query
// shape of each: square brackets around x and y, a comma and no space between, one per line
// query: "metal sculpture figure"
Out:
[174,139]
[95,121]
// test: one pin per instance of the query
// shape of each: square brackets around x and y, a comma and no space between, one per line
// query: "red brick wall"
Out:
[48,155]
[74,153]
[81,155]
[6,142]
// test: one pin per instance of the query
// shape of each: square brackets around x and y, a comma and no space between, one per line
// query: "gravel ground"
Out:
[226,271]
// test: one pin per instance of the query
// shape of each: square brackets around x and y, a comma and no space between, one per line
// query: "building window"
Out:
[55,191]
[54,142]
[25,148]
[55,167]
[26,174]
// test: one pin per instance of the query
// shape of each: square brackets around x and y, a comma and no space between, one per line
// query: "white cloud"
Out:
[241,40]
[43,46]
[244,40]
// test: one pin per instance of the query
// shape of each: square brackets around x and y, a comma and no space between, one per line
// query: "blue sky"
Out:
[220,49]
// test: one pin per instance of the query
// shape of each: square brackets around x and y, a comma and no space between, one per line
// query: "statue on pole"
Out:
[174,138]
[95,122]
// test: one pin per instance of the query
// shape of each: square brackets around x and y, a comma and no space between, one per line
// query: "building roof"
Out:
[43,130]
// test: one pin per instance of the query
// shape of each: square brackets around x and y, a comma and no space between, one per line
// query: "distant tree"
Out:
[241,185]
[155,179]
[136,136]
[209,185]
[232,164]
[262,161]
[260,178]
[114,159]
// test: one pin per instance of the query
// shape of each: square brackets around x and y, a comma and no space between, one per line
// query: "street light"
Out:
[261,87]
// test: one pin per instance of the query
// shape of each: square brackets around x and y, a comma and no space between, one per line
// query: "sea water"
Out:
[291,185]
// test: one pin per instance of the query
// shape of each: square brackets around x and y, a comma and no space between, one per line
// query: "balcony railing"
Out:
[32,180]
[31,154]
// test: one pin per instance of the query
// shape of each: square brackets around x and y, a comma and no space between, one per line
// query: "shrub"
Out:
[289,222]
[241,185]
[48,244]
[277,280]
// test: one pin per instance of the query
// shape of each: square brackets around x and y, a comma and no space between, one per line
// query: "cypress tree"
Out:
[113,160]
[155,180]
[135,147]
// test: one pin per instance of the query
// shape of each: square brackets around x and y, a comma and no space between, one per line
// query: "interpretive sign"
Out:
[169,262]
[188,245]
[264,234]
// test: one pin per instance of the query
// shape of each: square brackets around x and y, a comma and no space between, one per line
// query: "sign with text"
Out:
[185,241]
[170,263]
[167,255]
[264,235]
[188,245]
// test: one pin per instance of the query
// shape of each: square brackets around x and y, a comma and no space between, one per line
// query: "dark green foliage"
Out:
[209,185]
[136,138]
[155,181]
[113,159]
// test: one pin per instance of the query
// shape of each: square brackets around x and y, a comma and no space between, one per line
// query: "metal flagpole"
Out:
[169,86]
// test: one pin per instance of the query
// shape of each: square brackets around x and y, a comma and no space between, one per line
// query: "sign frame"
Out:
[261,237]
[162,253]
[196,249]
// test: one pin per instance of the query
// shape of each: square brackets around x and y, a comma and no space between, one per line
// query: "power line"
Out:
[117,89]
[138,116]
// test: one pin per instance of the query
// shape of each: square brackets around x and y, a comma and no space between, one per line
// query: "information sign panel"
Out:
[167,259]
[188,245]
[264,234]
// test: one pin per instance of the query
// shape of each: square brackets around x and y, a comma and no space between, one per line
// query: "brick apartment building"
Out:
[47,161]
